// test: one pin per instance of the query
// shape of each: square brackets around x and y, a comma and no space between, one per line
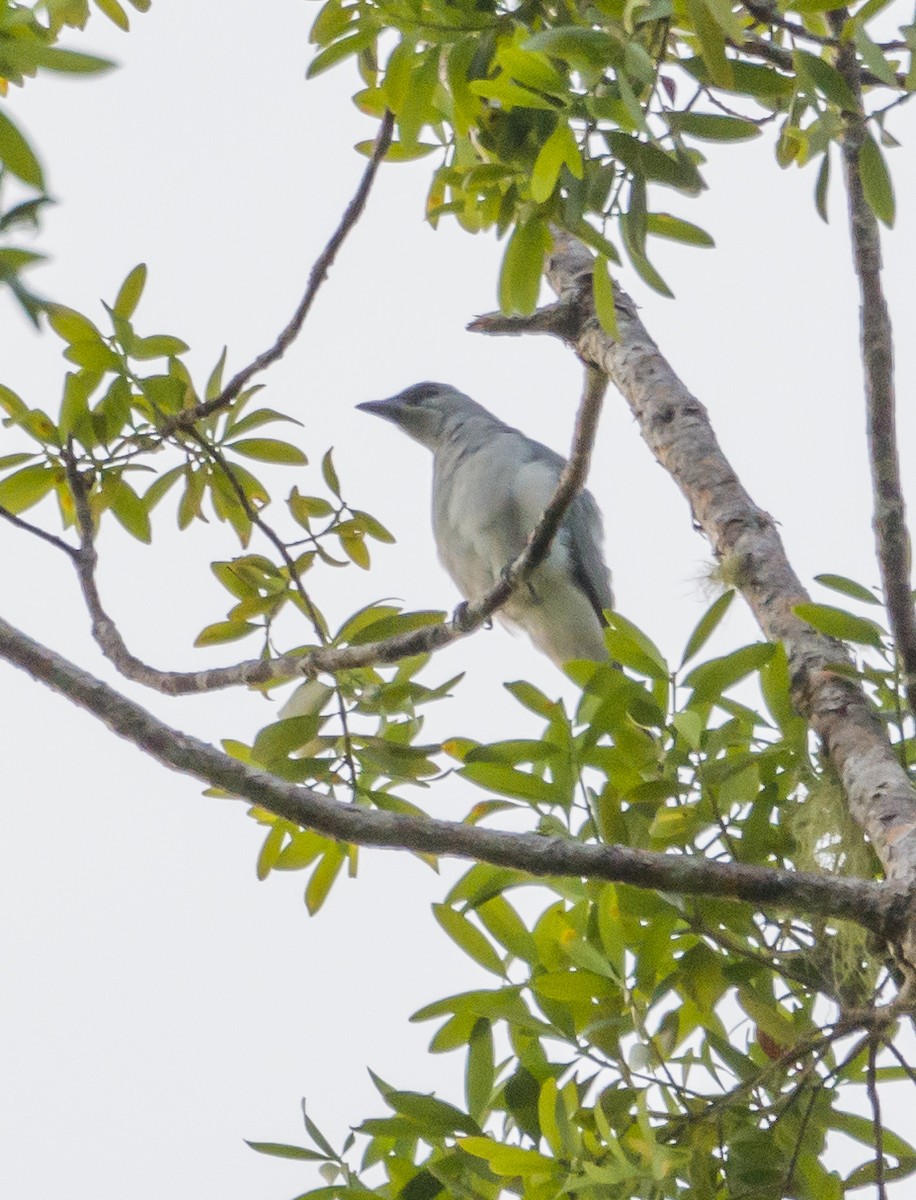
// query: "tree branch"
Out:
[891,534]
[35,531]
[317,276]
[677,429]
[880,907]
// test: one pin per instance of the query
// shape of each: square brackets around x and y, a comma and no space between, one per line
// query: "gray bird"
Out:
[491,484]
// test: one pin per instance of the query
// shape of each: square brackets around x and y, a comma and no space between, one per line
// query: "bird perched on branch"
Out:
[491,484]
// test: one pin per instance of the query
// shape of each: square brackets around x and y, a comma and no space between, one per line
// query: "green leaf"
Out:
[469,938]
[876,181]
[635,649]
[561,149]
[279,1150]
[838,623]
[712,42]
[53,58]
[338,51]
[399,151]
[322,878]
[329,474]
[822,186]
[224,631]
[873,57]
[269,450]
[114,12]
[12,404]
[826,78]
[714,127]
[72,326]
[435,1117]
[127,507]
[159,345]
[603,296]
[504,1159]
[74,407]
[707,625]
[17,155]
[710,679]
[130,292]
[577,45]
[507,781]
[666,226]
[848,587]
[480,1071]
[522,267]
[25,488]
[649,161]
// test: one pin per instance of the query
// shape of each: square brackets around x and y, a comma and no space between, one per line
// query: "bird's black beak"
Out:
[389,409]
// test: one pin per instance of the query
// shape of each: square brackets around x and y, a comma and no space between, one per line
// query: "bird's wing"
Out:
[582,530]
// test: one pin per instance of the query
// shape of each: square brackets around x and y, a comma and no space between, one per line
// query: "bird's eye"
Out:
[417,395]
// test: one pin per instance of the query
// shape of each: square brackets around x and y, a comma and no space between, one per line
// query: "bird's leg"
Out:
[505,575]
[460,618]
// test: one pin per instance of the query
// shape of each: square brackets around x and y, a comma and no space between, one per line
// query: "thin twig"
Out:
[877,347]
[764,14]
[876,906]
[317,276]
[782,58]
[35,531]
[871,1087]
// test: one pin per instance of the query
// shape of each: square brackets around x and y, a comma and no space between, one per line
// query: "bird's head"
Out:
[427,411]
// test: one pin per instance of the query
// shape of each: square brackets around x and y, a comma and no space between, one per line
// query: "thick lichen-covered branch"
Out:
[677,429]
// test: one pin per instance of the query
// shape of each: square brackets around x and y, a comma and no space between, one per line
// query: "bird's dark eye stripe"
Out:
[420,392]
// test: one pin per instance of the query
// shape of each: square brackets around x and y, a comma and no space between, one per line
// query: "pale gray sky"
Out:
[158,1005]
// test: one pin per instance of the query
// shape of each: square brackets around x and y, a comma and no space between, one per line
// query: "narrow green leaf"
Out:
[707,625]
[677,230]
[224,631]
[130,292]
[72,326]
[469,938]
[522,267]
[25,488]
[714,127]
[838,623]
[848,587]
[329,474]
[821,187]
[269,450]
[710,679]
[480,1071]
[826,78]
[603,295]
[504,1159]
[873,57]
[158,345]
[114,12]
[17,155]
[322,878]
[127,507]
[876,181]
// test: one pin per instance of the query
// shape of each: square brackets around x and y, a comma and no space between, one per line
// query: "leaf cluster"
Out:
[542,116]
